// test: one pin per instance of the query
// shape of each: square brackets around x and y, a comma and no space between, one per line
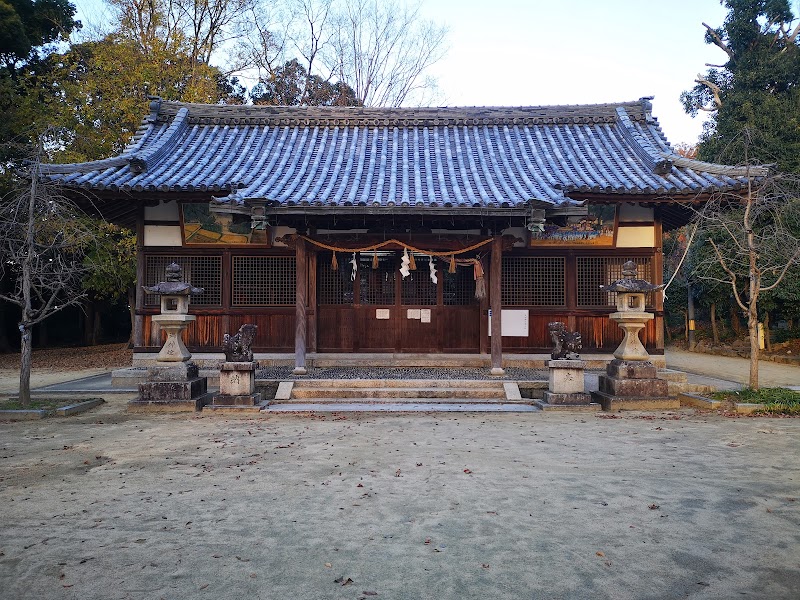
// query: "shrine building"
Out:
[398,230]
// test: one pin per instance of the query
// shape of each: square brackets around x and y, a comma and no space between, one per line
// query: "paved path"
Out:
[729,368]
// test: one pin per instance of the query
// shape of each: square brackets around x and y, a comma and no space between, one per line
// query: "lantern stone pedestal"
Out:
[631,381]
[170,387]
[566,386]
[173,384]
[237,388]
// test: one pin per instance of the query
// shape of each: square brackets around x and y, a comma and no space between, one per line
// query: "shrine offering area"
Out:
[661,505]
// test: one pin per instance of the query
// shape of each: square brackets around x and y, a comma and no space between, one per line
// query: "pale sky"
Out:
[535,52]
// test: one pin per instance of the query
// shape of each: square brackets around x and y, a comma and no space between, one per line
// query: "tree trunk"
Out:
[5,344]
[685,326]
[88,323]
[132,311]
[44,339]
[767,340]
[97,329]
[690,318]
[26,358]
[714,327]
[736,323]
[752,330]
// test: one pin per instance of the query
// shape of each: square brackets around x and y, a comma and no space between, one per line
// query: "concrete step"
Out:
[421,406]
[399,383]
[406,392]
[400,400]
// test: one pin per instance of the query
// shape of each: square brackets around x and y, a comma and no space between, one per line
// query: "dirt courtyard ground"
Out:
[540,506]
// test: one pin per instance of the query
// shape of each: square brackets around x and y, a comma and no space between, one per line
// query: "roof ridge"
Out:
[707,167]
[221,114]
[141,162]
[650,155]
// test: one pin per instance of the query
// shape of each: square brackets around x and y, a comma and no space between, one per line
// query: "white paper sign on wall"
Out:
[514,323]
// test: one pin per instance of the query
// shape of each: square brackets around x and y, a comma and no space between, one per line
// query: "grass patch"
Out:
[777,401]
[49,404]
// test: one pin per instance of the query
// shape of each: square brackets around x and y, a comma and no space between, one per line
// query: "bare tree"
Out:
[751,240]
[43,240]
[382,49]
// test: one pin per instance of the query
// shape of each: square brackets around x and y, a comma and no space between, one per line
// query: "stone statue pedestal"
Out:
[631,322]
[566,386]
[633,385]
[237,387]
[173,350]
[170,387]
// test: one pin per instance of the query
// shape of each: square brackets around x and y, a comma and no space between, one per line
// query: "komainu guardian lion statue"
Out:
[567,344]
[237,347]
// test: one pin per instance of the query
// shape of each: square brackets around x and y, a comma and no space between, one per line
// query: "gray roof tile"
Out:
[428,157]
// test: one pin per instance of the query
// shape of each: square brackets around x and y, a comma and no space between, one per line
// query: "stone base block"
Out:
[571,399]
[631,369]
[235,409]
[172,391]
[236,400]
[237,379]
[545,406]
[610,402]
[140,406]
[170,372]
[640,388]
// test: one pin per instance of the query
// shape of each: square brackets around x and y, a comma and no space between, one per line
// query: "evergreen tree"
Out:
[757,89]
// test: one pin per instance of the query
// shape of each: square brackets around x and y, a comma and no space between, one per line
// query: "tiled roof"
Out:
[423,157]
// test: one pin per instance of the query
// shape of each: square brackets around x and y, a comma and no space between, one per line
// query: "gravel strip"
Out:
[512,373]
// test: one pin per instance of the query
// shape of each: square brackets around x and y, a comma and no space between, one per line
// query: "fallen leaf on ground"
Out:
[600,553]
[653,506]
[467,471]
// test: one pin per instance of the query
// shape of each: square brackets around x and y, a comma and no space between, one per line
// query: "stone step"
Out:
[671,375]
[345,392]
[675,389]
[419,406]
[428,399]
[399,383]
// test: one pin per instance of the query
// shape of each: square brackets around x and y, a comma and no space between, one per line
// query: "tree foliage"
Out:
[291,85]
[28,24]
[757,88]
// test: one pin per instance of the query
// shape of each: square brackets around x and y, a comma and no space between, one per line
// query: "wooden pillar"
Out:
[138,320]
[312,299]
[658,278]
[300,327]
[496,305]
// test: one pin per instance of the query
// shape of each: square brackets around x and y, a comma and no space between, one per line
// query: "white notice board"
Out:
[514,323]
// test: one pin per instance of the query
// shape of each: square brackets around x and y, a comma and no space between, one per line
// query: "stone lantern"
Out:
[174,317]
[631,380]
[173,384]
[631,315]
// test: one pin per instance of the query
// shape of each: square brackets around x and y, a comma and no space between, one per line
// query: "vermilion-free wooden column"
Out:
[300,308]
[496,305]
